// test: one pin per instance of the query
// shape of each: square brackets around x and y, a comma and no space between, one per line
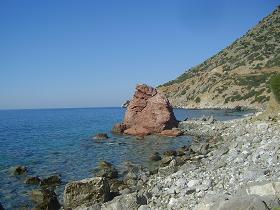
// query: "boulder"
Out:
[241,202]
[149,112]
[45,199]
[35,180]
[155,157]
[172,132]
[101,136]
[119,128]
[107,170]
[127,201]
[19,170]
[86,192]
[170,153]
[53,180]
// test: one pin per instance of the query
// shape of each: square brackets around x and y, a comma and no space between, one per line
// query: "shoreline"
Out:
[241,153]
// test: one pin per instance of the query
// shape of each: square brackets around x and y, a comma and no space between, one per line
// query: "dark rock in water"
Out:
[45,199]
[1,207]
[125,104]
[107,170]
[53,180]
[155,157]
[119,128]
[149,112]
[170,153]
[32,180]
[101,136]
[19,170]
[86,192]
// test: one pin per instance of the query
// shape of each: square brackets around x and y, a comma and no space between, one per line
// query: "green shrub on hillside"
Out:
[275,86]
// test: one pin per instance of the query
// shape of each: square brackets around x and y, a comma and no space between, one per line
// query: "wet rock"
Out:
[172,132]
[148,112]
[165,161]
[155,157]
[101,136]
[19,170]
[107,170]
[45,199]
[53,180]
[86,192]
[119,128]
[34,180]
[170,153]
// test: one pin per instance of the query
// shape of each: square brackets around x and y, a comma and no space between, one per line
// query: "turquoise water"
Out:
[59,141]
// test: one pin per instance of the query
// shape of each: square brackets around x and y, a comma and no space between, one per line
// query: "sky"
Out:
[92,53]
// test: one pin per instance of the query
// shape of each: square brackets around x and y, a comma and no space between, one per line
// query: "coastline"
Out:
[241,161]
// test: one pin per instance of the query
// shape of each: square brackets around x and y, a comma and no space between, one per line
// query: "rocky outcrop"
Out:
[148,112]
[45,199]
[86,192]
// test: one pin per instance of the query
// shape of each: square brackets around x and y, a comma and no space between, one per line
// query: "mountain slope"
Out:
[237,75]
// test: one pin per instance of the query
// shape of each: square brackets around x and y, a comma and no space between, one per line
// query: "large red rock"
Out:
[149,112]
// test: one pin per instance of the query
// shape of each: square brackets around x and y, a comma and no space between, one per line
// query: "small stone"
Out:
[19,170]
[170,153]
[53,180]
[101,136]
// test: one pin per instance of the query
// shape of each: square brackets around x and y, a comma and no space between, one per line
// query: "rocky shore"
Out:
[230,165]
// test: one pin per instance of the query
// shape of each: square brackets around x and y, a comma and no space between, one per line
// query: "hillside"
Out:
[237,75]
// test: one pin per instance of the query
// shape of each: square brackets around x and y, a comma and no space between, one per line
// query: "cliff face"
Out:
[237,75]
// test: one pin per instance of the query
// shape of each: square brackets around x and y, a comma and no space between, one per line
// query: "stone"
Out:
[241,202]
[119,128]
[193,183]
[165,161]
[167,170]
[34,180]
[199,148]
[149,112]
[19,170]
[171,133]
[45,199]
[107,170]
[264,189]
[155,157]
[170,153]
[101,136]
[53,180]
[86,192]
[126,201]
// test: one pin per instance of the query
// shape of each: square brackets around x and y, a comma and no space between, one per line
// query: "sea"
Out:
[60,141]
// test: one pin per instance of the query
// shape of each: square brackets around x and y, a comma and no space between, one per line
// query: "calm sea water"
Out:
[59,141]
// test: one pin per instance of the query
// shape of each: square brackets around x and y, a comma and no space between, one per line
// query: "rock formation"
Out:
[148,112]
[86,192]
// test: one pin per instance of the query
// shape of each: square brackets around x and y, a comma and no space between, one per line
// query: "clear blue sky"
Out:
[85,53]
